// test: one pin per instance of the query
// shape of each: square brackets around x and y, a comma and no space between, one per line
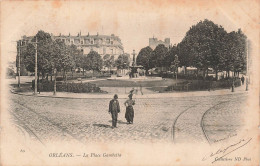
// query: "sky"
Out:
[133,21]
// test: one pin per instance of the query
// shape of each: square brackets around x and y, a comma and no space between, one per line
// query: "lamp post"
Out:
[247,66]
[19,62]
[233,85]
[54,89]
[35,82]
[176,62]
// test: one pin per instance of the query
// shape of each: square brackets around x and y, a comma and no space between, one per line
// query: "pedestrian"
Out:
[242,79]
[114,109]
[129,114]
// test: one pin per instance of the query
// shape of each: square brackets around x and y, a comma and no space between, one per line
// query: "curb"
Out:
[125,97]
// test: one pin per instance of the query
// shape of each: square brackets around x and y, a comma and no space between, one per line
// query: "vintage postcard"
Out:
[142,82]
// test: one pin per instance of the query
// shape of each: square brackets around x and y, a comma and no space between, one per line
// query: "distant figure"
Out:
[242,79]
[114,109]
[129,114]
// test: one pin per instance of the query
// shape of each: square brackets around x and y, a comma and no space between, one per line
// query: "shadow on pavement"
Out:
[119,121]
[102,125]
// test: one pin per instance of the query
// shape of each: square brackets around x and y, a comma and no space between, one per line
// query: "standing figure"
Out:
[242,79]
[129,114]
[114,109]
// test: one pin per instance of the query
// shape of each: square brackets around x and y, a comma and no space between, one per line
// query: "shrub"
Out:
[203,85]
[48,86]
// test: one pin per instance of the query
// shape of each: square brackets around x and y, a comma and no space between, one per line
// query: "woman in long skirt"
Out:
[129,114]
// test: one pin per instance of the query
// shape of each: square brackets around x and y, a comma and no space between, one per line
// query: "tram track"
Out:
[26,128]
[201,120]
[175,121]
[46,119]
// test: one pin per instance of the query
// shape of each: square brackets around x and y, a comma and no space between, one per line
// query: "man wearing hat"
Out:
[114,109]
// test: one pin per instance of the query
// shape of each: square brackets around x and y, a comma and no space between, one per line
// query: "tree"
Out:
[66,59]
[122,61]
[186,59]
[77,56]
[203,44]
[143,58]
[94,61]
[240,59]
[235,52]
[170,56]
[158,56]
[44,44]
[217,49]
[109,61]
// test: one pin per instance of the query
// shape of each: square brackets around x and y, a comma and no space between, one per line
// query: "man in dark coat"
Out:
[114,109]
[242,79]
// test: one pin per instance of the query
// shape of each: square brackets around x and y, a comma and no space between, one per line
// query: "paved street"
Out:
[179,120]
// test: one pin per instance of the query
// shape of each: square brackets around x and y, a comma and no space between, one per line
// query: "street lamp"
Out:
[35,82]
[176,62]
[247,66]
[54,89]
[19,62]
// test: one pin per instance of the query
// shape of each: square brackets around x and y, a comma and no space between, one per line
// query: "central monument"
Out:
[134,72]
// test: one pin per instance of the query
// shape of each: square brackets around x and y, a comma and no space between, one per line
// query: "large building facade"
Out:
[153,42]
[103,44]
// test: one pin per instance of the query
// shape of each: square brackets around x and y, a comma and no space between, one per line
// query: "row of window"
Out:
[106,50]
[87,41]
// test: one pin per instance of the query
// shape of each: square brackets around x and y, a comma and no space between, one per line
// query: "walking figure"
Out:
[114,109]
[129,114]
[242,79]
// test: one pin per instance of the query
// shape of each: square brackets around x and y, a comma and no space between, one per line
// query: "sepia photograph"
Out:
[129,82]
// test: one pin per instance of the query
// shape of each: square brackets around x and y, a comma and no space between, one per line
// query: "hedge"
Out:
[203,85]
[48,86]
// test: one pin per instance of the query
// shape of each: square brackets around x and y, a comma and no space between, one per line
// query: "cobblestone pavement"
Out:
[84,120]
[210,120]
[224,120]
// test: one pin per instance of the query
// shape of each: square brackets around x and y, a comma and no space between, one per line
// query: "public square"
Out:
[170,117]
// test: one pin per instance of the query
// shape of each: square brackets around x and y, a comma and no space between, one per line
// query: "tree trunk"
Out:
[216,74]
[228,73]
[54,89]
[65,76]
[204,72]
[47,76]
[72,73]
[51,76]
[185,70]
